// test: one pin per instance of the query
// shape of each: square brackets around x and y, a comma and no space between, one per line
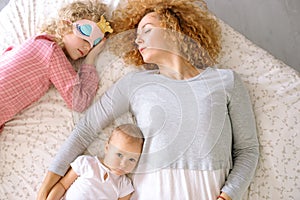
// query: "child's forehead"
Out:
[114,148]
[125,135]
[117,134]
[124,143]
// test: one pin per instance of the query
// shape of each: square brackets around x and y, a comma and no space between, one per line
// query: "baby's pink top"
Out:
[27,72]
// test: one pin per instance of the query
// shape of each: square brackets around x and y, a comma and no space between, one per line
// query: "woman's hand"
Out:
[50,180]
[90,58]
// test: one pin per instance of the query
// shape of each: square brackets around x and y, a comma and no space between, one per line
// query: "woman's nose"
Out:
[138,40]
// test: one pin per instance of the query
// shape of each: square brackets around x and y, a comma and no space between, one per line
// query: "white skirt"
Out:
[179,184]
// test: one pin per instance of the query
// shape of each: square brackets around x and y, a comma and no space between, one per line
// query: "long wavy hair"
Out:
[200,43]
[84,9]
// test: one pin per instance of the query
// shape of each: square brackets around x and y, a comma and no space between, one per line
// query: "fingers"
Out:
[99,47]
[90,58]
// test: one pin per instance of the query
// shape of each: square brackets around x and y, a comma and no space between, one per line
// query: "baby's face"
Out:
[121,157]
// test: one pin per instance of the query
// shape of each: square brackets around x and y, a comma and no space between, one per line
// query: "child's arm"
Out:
[126,197]
[60,188]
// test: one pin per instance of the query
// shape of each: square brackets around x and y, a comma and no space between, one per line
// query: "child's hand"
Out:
[91,56]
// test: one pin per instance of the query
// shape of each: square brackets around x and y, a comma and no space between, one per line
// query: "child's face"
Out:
[121,157]
[75,46]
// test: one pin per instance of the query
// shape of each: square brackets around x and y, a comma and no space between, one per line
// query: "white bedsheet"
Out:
[29,142]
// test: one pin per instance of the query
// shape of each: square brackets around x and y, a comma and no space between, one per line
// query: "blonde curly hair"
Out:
[190,18]
[84,9]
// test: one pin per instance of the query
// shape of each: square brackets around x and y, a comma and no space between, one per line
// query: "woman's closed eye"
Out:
[147,30]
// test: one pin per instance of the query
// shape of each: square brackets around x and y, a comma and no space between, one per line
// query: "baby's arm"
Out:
[60,188]
[126,197]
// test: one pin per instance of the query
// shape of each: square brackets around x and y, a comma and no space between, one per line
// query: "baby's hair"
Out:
[131,133]
[70,13]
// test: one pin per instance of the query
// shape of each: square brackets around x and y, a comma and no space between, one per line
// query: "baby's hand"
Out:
[90,58]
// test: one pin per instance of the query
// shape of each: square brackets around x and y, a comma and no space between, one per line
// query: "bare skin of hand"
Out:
[92,55]
[223,194]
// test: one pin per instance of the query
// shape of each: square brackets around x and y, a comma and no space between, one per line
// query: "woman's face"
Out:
[151,39]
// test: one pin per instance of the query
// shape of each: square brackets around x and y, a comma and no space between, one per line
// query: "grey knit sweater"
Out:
[202,123]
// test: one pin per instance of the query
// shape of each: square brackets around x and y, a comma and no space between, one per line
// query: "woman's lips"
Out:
[142,49]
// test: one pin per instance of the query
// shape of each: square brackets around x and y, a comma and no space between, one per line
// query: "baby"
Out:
[103,178]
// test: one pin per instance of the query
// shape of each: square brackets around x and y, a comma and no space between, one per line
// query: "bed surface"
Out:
[29,142]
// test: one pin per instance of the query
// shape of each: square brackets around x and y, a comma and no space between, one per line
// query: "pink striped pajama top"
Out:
[27,72]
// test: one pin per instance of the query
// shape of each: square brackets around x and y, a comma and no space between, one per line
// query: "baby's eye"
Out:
[119,155]
[132,160]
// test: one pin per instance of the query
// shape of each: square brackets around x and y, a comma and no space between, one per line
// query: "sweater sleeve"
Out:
[245,143]
[77,89]
[85,87]
[112,104]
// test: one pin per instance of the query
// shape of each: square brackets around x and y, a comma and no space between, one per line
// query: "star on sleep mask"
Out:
[91,31]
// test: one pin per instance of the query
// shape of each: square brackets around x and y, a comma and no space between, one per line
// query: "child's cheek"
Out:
[111,160]
[130,167]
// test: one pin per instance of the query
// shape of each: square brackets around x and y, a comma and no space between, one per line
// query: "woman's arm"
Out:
[223,196]
[245,150]
[111,105]
[60,188]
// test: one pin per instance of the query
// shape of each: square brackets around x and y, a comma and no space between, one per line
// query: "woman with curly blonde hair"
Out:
[194,32]
[27,71]
[197,120]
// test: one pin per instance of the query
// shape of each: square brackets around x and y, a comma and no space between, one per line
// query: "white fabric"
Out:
[29,142]
[195,186]
[91,183]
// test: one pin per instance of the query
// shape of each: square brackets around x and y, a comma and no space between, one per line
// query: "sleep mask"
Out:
[91,31]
